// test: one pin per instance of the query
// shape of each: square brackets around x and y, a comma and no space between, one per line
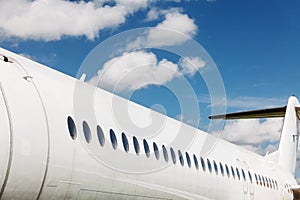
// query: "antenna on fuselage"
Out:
[83,77]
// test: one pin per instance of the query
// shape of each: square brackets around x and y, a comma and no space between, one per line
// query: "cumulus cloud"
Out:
[27,56]
[253,131]
[153,14]
[156,13]
[134,70]
[133,5]
[253,134]
[248,102]
[182,26]
[138,69]
[52,19]
[175,29]
[255,102]
[190,65]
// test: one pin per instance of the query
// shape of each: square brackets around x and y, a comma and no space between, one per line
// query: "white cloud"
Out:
[134,70]
[180,117]
[190,65]
[138,69]
[255,102]
[133,5]
[182,26]
[254,134]
[191,122]
[175,29]
[53,19]
[156,13]
[153,14]
[252,131]
[248,102]
[27,56]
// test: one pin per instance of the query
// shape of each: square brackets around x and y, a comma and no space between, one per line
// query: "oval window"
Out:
[113,139]
[181,158]
[250,177]
[72,128]
[173,156]
[146,148]
[216,167]
[165,152]
[232,171]
[125,142]
[203,164]
[227,170]
[267,181]
[86,131]
[136,145]
[100,135]
[270,182]
[260,182]
[256,178]
[196,161]
[156,152]
[221,169]
[238,173]
[244,175]
[209,165]
[188,160]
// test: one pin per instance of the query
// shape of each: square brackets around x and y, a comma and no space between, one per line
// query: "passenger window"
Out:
[181,158]
[273,184]
[146,148]
[227,170]
[267,181]
[260,182]
[238,173]
[72,128]
[221,169]
[188,160]
[136,145]
[263,179]
[86,132]
[256,178]
[125,142]
[209,165]
[100,135]
[156,151]
[196,161]
[244,175]
[203,164]
[232,171]
[165,152]
[216,167]
[270,183]
[173,156]
[113,139]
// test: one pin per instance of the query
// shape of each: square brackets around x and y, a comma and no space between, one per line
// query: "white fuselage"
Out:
[40,160]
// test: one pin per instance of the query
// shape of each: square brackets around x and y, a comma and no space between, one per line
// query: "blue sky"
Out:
[255,45]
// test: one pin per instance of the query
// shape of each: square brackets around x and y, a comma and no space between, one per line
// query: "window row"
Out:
[175,155]
[288,187]
[265,181]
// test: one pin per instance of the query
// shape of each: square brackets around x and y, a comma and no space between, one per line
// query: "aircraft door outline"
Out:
[249,182]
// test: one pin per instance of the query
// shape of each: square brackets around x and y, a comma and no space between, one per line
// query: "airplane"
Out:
[57,143]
